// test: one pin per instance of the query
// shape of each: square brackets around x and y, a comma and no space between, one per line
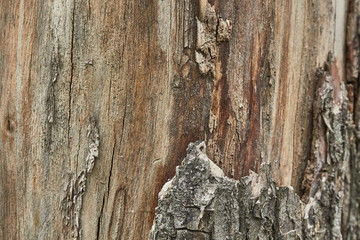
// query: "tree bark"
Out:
[100,99]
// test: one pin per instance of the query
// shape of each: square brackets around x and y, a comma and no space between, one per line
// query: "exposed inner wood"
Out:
[136,67]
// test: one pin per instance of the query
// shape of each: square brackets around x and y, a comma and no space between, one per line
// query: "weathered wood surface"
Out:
[145,78]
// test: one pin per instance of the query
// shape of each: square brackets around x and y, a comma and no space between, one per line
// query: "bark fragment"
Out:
[201,203]
[210,30]
[73,201]
[323,183]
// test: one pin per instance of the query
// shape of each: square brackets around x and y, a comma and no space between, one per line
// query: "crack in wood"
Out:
[71,65]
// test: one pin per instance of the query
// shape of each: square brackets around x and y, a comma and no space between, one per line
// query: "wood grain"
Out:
[131,66]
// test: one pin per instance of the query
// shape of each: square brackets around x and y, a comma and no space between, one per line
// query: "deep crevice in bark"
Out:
[99,218]
[71,65]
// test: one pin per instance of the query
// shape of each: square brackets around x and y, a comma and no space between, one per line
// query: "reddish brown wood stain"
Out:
[282,98]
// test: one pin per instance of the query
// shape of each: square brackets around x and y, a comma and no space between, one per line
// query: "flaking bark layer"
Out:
[201,203]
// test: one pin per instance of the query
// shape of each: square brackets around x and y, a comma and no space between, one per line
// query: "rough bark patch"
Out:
[201,203]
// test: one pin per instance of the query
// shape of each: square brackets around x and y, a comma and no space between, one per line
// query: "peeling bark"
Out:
[73,201]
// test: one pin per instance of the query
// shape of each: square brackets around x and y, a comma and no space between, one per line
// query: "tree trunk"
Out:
[100,99]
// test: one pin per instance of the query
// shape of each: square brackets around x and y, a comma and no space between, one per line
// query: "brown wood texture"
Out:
[130,72]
